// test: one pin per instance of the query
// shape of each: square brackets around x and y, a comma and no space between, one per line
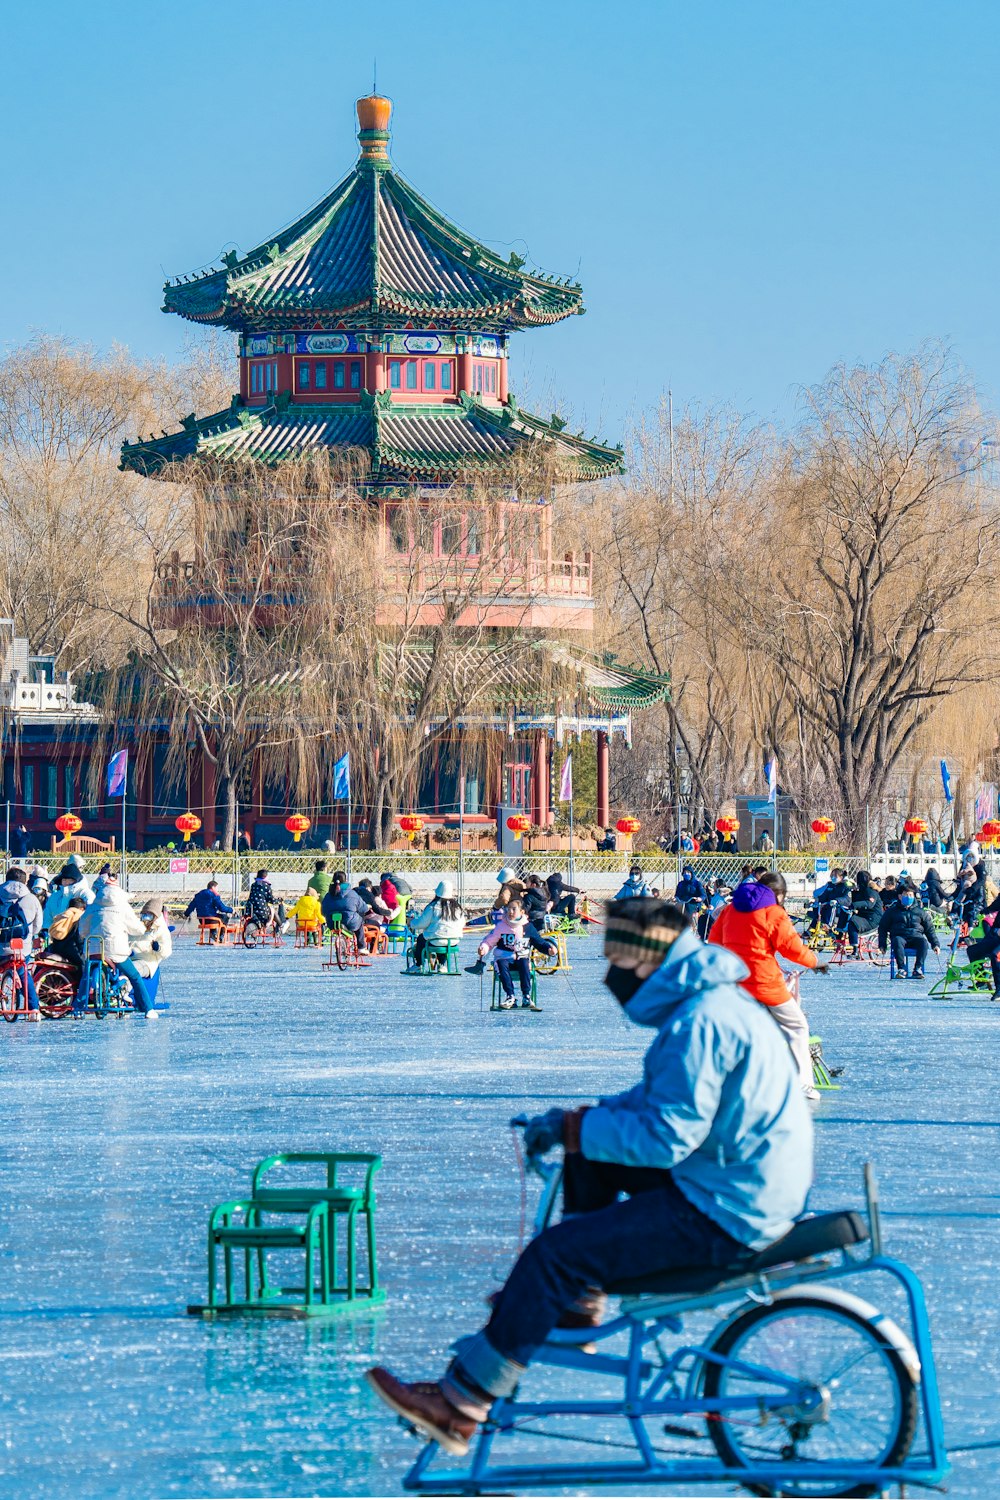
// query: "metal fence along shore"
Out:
[473,873]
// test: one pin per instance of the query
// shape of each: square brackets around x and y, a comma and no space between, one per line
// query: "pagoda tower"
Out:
[373,322]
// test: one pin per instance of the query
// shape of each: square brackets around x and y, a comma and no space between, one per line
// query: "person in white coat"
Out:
[111,921]
[149,951]
[441,921]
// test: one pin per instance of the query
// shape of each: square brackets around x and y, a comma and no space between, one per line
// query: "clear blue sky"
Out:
[750,190]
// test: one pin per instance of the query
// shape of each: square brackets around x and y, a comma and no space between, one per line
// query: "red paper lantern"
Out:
[628,825]
[68,824]
[518,823]
[915,827]
[727,824]
[187,824]
[823,827]
[990,831]
[297,824]
[411,825]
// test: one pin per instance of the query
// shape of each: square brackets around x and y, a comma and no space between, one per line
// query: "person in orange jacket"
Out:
[756,927]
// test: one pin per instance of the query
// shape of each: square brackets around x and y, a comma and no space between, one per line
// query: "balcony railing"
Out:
[514,577]
[570,576]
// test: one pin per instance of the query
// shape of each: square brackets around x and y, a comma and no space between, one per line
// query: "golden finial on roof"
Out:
[374,112]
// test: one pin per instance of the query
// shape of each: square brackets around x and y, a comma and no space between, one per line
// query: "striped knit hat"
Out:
[641,929]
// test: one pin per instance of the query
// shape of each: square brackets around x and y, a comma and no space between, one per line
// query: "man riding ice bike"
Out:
[713,1148]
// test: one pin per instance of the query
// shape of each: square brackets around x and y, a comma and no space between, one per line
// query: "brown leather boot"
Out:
[423,1403]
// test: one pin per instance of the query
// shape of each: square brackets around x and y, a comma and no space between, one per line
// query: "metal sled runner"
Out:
[803,1388]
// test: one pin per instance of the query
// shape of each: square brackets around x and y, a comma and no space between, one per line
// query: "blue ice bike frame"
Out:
[660,1388]
[108,991]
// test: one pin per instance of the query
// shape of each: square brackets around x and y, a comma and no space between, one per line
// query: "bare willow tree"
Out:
[878,540]
[688,486]
[444,639]
[66,508]
[256,578]
[291,613]
[63,414]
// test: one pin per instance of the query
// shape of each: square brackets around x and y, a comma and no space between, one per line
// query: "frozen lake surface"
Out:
[121,1135]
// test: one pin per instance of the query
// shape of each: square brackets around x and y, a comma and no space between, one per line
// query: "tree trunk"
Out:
[229,829]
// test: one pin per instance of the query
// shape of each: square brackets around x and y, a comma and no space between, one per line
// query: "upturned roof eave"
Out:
[221,297]
[577,457]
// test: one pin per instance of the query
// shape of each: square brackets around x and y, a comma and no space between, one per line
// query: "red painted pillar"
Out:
[502,387]
[375,362]
[540,781]
[465,373]
[603,779]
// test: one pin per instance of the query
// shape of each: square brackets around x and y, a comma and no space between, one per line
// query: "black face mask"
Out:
[623,983]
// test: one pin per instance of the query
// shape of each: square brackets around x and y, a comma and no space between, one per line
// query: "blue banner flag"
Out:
[946,781]
[117,773]
[771,772]
[342,778]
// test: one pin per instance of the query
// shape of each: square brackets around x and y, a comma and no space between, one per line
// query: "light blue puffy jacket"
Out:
[720,1105]
[61,895]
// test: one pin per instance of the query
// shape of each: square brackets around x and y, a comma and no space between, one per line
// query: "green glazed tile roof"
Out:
[429,443]
[371,253]
[616,689]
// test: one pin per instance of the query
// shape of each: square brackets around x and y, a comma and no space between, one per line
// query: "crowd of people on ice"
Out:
[60,918]
[60,924]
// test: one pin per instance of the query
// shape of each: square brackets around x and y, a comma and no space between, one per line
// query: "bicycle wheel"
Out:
[55,992]
[10,995]
[342,950]
[546,963]
[253,933]
[868,1414]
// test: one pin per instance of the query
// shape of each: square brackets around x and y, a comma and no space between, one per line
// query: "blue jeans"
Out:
[24,975]
[140,995]
[503,963]
[601,1243]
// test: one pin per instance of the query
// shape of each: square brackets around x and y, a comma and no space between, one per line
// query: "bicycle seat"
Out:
[812,1236]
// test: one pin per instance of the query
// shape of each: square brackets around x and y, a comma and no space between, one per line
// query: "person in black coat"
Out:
[933,889]
[536,901]
[343,902]
[866,909]
[969,896]
[832,902]
[906,926]
[690,893]
[563,895]
[20,842]
[988,946]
